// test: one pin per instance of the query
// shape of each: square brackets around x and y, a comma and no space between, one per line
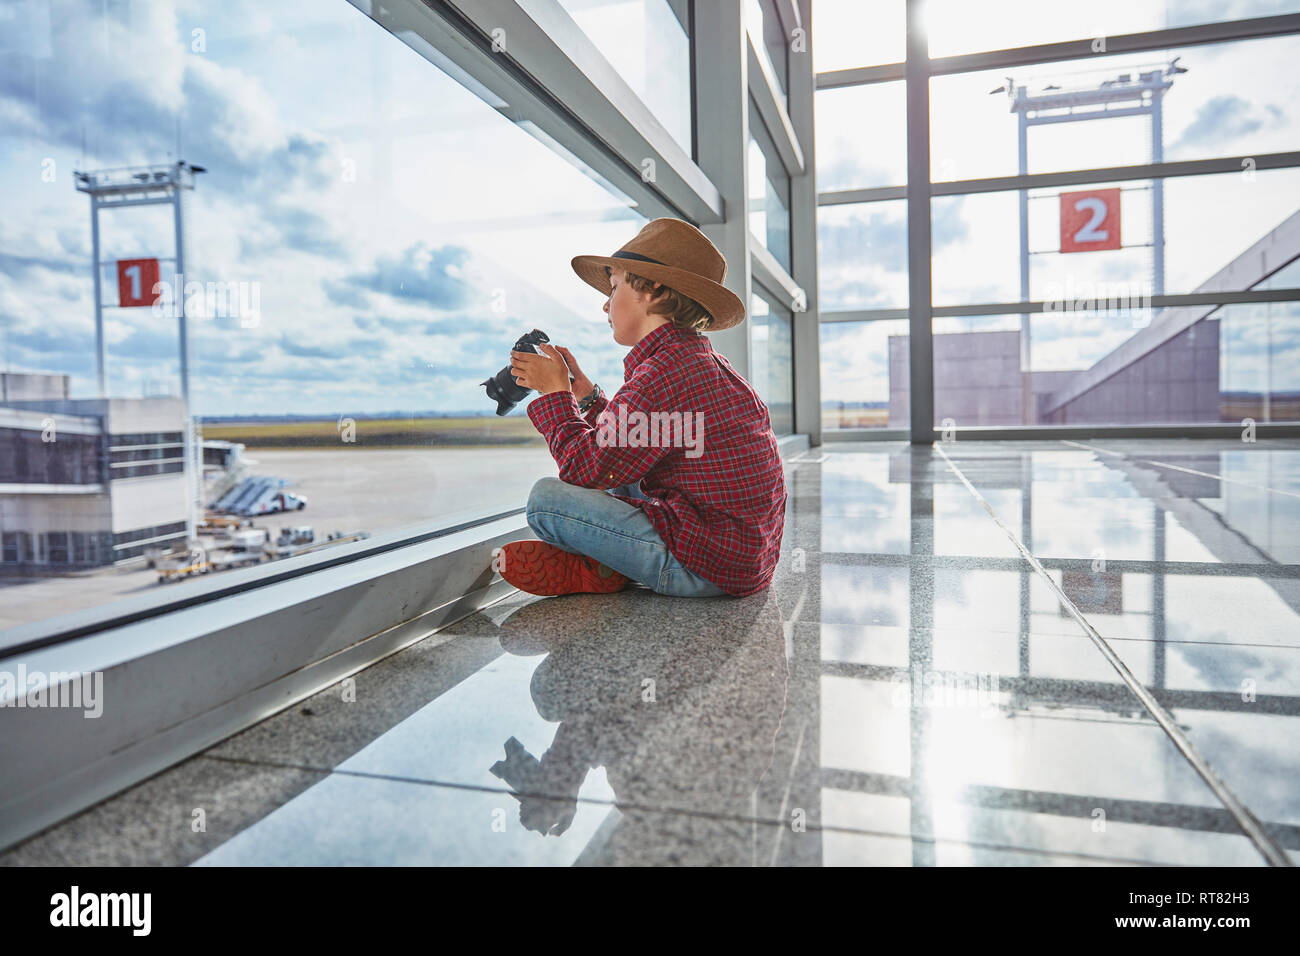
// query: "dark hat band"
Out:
[637,256]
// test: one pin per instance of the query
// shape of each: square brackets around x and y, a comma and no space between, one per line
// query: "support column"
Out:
[99,296]
[719,58]
[1027,410]
[803,238]
[193,482]
[916,72]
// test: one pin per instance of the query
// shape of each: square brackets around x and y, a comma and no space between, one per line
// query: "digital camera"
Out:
[502,387]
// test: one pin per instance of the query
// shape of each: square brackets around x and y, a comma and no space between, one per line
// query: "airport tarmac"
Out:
[352,489]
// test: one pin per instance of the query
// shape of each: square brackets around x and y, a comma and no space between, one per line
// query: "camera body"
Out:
[502,387]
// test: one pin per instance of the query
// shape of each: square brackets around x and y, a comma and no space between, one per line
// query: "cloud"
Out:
[1225,118]
[150,343]
[293,227]
[420,273]
[348,349]
[150,89]
[851,172]
[18,266]
[346,294]
[46,339]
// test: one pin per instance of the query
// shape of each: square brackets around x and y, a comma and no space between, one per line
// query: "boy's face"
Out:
[627,309]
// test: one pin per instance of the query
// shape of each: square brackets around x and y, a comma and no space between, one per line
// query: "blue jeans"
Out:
[594,523]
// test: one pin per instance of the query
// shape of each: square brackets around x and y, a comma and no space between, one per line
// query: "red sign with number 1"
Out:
[135,281]
[1090,220]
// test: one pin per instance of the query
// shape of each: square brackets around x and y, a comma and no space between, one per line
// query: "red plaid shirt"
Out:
[716,494]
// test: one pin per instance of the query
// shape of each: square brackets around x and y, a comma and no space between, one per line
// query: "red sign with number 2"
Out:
[1090,220]
[135,281]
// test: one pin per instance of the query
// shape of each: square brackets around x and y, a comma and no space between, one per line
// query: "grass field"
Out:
[853,418]
[484,431]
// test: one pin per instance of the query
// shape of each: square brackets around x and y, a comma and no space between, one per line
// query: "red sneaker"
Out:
[541,568]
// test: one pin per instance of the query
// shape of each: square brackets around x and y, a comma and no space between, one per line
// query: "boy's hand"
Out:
[546,372]
[582,386]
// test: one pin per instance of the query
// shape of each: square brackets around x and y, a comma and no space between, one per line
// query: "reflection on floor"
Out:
[912,690]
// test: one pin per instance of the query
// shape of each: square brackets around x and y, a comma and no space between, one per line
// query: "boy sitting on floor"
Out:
[676,481]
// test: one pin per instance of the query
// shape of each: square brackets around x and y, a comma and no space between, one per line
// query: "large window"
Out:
[769,191]
[861,137]
[392,230]
[1217,99]
[957,26]
[1097,339]
[763,25]
[864,374]
[648,43]
[771,365]
[862,256]
[977,257]
[853,33]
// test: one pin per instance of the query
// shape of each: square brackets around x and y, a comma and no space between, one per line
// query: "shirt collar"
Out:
[657,339]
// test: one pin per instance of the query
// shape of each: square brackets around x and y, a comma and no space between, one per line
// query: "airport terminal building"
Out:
[86,482]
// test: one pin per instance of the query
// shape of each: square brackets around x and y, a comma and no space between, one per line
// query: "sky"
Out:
[403,232]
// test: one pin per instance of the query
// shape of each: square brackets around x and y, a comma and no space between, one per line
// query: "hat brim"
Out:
[719,301]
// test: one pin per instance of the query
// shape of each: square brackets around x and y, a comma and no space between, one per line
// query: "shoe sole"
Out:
[540,568]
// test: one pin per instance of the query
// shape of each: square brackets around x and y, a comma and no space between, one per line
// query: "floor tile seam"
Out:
[719,817]
[1184,468]
[1249,824]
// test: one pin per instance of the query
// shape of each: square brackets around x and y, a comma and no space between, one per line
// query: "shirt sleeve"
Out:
[591,453]
[594,412]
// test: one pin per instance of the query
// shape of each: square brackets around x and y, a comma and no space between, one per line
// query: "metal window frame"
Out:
[721,69]
[769,100]
[806,346]
[916,72]
[725,68]
[764,287]
[438,32]
[542,40]
[1250,28]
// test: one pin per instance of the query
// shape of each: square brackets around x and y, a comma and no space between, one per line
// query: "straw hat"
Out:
[678,255]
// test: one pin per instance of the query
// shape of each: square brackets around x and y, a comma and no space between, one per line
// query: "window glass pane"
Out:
[1260,362]
[1288,277]
[851,33]
[764,28]
[862,256]
[959,26]
[861,137]
[977,240]
[1204,364]
[1232,99]
[647,42]
[864,374]
[387,248]
[769,191]
[771,359]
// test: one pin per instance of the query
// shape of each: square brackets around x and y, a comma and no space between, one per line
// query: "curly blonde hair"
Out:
[683,311]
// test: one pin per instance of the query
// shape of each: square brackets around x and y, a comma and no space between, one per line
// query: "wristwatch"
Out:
[584,405]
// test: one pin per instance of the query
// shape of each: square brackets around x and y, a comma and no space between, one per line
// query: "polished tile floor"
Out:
[987,653]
